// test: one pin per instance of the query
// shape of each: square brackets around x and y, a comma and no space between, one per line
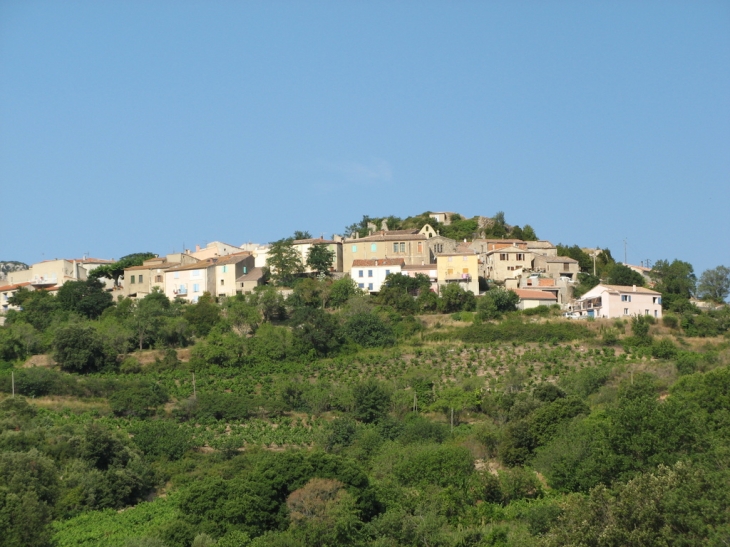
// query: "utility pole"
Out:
[625,260]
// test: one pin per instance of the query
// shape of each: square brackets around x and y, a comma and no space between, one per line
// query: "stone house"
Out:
[304,245]
[410,246]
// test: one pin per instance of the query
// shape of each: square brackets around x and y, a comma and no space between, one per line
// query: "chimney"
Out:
[197,248]
[634,288]
[376,262]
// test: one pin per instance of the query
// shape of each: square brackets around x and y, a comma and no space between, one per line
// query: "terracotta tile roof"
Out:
[541,244]
[160,266]
[231,259]
[546,282]
[629,289]
[203,264]
[528,294]
[417,267]
[558,259]
[254,274]
[378,262]
[14,286]
[465,252]
[313,241]
[392,235]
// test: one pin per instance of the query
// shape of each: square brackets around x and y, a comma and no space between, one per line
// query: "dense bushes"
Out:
[516,330]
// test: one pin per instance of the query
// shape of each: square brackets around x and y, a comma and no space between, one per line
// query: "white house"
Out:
[370,274]
[613,301]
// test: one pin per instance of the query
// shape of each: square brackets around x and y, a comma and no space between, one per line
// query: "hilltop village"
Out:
[538,272]
[428,381]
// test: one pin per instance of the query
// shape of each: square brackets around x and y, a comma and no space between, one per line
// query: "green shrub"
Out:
[670,321]
[664,349]
[161,439]
[138,399]
[130,365]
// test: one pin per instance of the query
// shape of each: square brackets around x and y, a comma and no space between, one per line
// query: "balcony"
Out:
[182,291]
[44,280]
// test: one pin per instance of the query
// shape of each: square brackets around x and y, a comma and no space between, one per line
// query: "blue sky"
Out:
[134,126]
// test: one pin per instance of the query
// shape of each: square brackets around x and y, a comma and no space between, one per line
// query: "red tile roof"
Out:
[527,294]
[378,262]
[14,286]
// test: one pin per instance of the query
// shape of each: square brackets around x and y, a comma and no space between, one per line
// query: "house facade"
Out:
[461,268]
[7,292]
[191,281]
[304,245]
[370,274]
[139,281]
[505,263]
[229,269]
[410,246]
[557,266]
[250,280]
[214,249]
[532,298]
[615,301]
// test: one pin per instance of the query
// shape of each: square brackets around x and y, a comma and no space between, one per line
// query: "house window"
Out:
[625,298]
[140,278]
[646,312]
[158,279]
[566,266]
[131,280]
[360,273]
[370,273]
[520,256]
[420,247]
[451,259]
[373,247]
[465,270]
[503,256]
[196,287]
[354,248]
[245,270]
[223,282]
[225,269]
[439,248]
[626,311]
[402,247]
[656,313]
[176,275]
[395,247]
[195,273]
[361,285]
[387,273]
[370,286]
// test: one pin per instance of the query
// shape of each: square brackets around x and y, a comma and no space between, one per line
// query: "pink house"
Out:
[613,301]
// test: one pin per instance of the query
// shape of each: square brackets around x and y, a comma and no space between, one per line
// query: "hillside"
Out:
[267,422]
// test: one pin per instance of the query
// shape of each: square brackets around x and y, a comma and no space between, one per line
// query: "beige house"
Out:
[214,249]
[542,247]
[7,292]
[507,263]
[304,245]
[407,245]
[531,298]
[53,273]
[370,274]
[561,288]
[429,270]
[442,217]
[614,301]
[462,268]
[229,269]
[556,266]
[191,281]
[139,281]
[250,280]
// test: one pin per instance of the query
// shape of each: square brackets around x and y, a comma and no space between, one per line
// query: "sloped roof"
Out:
[529,294]
[14,286]
[231,259]
[558,259]
[378,262]
[254,274]
[313,241]
[629,289]
[391,235]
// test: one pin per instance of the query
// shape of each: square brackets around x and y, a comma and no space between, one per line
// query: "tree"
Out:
[78,347]
[203,315]
[528,233]
[676,281]
[714,284]
[369,330]
[87,298]
[496,302]
[116,270]
[298,234]
[284,261]
[371,401]
[320,258]
[454,298]
[623,275]
[585,260]
[148,316]
[342,290]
